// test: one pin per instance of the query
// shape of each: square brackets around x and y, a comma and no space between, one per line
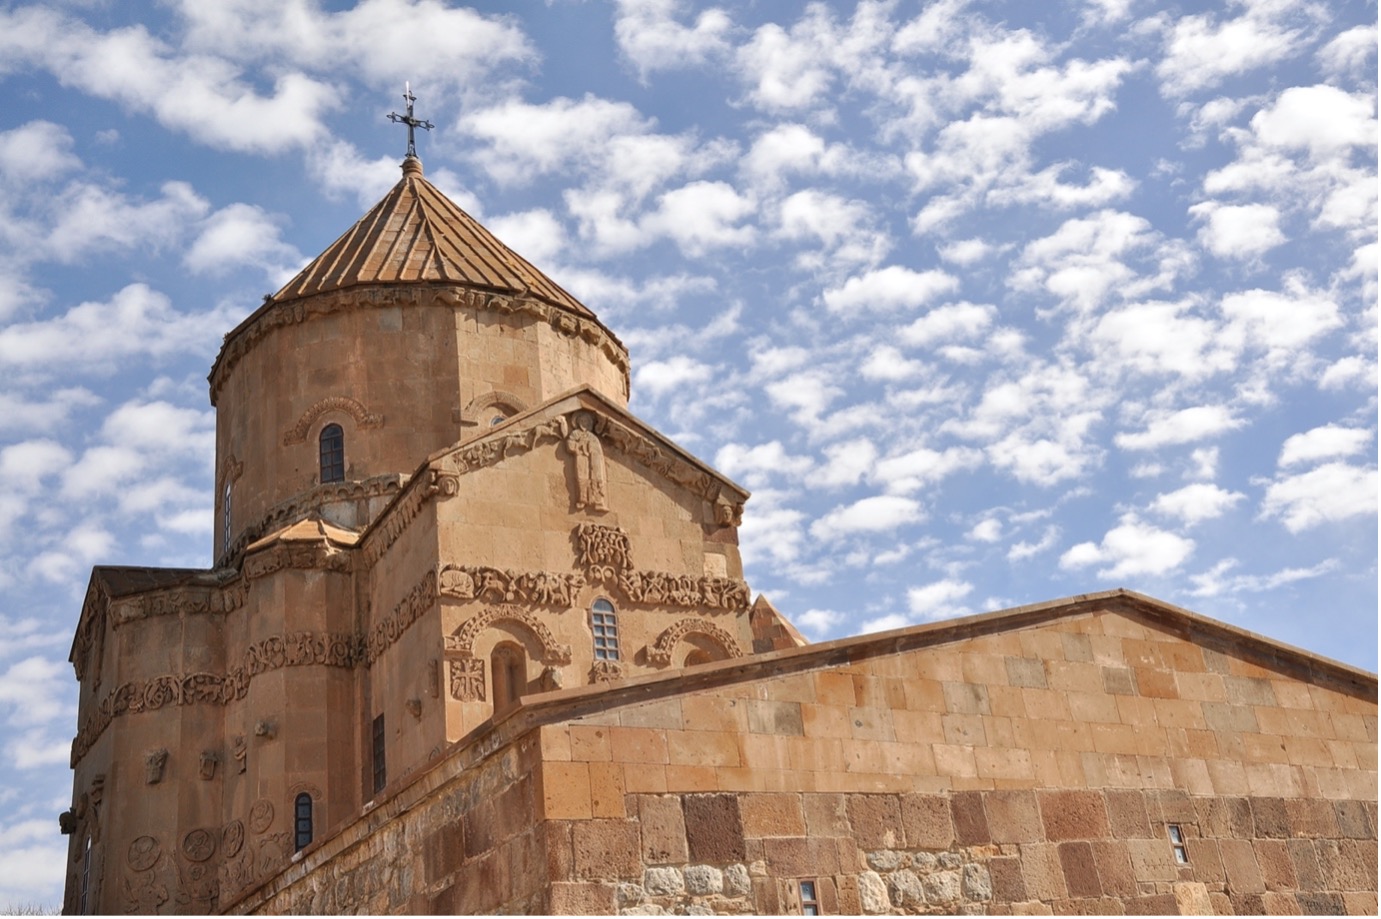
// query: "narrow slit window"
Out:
[810,900]
[85,906]
[332,454]
[302,821]
[225,517]
[1177,844]
[604,624]
[380,769]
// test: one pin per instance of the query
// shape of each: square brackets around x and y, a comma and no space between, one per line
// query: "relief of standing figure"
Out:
[588,452]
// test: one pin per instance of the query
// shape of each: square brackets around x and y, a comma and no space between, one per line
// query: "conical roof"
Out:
[417,234]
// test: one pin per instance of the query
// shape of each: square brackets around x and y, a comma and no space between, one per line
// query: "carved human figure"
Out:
[154,763]
[590,478]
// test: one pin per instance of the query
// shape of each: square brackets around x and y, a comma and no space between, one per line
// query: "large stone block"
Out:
[875,821]
[1240,865]
[772,815]
[927,821]
[1007,881]
[1080,871]
[607,849]
[1114,864]
[1042,872]
[1013,816]
[1127,813]
[714,828]
[970,820]
[1071,815]
[663,829]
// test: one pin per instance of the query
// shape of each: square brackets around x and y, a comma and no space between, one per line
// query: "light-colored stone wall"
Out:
[1020,769]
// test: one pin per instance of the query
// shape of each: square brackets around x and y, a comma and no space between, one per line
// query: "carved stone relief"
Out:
[143,853]
[467,679]
[363,418]
[606,671]
[239,749]
[411,608]
[232,838]
[198,845]
[661,651]
[591,478]
[209,759]
[154,764]
[261,815]
[545,588]
[462,643]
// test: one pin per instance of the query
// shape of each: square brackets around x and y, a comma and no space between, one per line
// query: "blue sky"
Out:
[988,303]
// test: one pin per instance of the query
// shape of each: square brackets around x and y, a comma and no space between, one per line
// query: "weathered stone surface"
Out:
[662,825]
[942,887]
[905,890]
[887,860]
[977,882]
[737,882]
[714,829]
[703,880]
[663,882]
[872,893]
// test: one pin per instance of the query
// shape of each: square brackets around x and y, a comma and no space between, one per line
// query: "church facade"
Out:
[476,639]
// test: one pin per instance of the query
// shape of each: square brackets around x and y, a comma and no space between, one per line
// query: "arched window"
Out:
[85,906]
[604,623]
[508,668]
[302,821]
[332,454]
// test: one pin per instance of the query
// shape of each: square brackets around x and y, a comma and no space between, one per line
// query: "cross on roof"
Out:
[410,121]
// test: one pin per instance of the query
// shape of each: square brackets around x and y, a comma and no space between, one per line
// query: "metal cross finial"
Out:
[410,121]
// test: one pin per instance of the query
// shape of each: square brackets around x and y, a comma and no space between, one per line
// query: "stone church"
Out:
[476,640]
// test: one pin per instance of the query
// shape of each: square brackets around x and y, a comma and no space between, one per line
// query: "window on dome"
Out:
[332,454]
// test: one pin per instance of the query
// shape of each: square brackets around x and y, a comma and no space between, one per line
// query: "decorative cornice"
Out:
[384,296]
[362,416]
[421,598]
[320,556]
[478,582]
[604,552]
[389,526]
[182,601]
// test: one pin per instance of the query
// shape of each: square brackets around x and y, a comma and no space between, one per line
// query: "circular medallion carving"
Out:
[261,815]
[143,852]
[198,845]
[232,838]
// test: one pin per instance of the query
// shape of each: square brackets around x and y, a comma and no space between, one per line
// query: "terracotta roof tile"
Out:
[417,234]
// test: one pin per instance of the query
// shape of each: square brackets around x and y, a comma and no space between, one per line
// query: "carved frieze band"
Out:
[295,649]
[660,653]
[298,311]
[421,598]
[362,416]
[298,508]
[544,588]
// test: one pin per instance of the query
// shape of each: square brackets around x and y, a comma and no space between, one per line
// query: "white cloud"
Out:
[702,216]
[939,599]
[661,377]
[1321,119]
[35,152]
[536,234]
[846,463]
[1130,549]
[1215,582]
[966,252]
[986,530]
[1196,503]
[1182,427]
[890,288]
[33,691]
[1157,338]
[1238,231]
[885,362]
[818,622]
[757,465]
[523,140]
[35,862]
[949,322]
[1024,549]
[906,472]
[89,218]
[876,514]
[1324,442]
[1201,51]
[1326,494]
[1280,323]
[202,95]
[1349,51]
[649,34]
[242,234]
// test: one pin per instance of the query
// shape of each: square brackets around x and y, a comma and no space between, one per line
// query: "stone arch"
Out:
[660,652]
[362,417]
[462,643]
[472,414]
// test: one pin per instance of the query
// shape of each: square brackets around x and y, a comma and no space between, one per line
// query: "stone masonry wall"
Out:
[976,852]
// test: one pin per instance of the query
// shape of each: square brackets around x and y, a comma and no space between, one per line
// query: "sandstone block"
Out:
[771,717]
[714,828]
[966,698]
[1025,671]
[970,820]
[1114,864]
[825,814]
[1240,865]
[1127,813]
[574,898]
[772,815]
[800,856]
[1191,899]
[663,829]
[1008,884]
[1348,864]
[1042,872]
[1080,871]
[1071,815]
[1013,816]
[1277,868]
[1271,818]
[607,849]
[927,822]
[875,821]
[1322,904]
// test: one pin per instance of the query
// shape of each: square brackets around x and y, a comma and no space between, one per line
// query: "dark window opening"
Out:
[225,518]
[508,670]
[302,821]
[332,454]
[1177,844]
[604,623]
[380,769]
[810,902]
